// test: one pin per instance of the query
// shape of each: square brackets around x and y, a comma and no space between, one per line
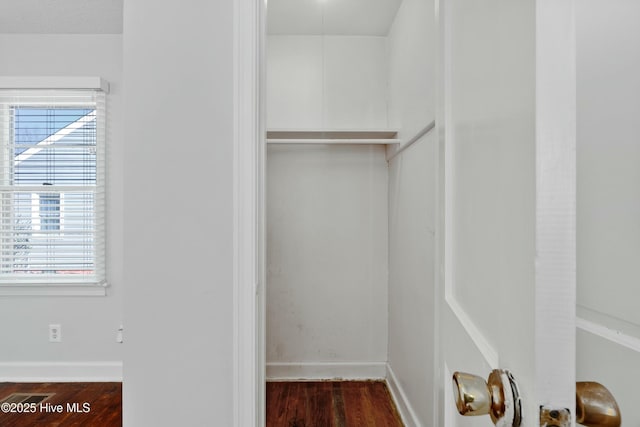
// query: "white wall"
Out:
[326,210]
[412,199]
[326,82]
[89,324]
[178,166]
[608,72]
[410,63]
[326,261]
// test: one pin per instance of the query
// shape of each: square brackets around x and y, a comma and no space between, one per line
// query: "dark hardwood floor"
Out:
[101,404]
[289,404]
[330,404]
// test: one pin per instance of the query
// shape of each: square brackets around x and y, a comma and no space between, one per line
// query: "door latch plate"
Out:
[554,417]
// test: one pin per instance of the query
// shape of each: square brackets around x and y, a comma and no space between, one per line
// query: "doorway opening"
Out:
[350,196]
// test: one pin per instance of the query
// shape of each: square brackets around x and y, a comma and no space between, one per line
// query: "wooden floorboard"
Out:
[104,407]
[330,404]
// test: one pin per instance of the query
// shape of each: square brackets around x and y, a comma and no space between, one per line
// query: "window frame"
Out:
[98,286]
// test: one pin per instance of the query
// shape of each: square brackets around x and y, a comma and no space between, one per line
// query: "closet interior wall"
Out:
[326,210]
[411,361]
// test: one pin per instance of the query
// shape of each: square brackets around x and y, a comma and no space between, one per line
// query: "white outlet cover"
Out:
[55,333]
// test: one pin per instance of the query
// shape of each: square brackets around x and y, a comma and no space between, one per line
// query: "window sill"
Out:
[53,290]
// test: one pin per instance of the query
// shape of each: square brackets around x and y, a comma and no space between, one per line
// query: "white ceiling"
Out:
[338,17]
[61,16]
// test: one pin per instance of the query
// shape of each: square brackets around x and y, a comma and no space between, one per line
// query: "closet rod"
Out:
[332,141]
[428,128]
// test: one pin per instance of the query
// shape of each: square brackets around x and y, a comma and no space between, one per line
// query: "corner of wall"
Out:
[408,415]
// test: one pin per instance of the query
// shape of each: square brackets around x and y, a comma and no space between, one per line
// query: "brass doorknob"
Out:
[498,396]
[596,406]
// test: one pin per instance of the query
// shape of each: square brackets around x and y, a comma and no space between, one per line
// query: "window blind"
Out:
[52,187]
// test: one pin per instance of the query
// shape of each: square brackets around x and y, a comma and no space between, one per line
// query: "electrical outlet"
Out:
[55,333]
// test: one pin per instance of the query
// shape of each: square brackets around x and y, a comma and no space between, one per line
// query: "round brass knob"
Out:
[497,397]
[596,406]
[471,393]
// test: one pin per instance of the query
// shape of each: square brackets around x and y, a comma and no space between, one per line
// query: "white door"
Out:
[608,196]
[507,200]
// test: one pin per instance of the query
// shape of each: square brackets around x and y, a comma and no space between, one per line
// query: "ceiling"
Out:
[296,17]
[61,16]
[337,17]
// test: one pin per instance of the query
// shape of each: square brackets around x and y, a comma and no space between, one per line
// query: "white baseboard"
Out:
[408,415]
[22,372]
[326,371]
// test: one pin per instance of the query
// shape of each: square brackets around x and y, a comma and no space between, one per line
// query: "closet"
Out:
[350,194]
[326,205]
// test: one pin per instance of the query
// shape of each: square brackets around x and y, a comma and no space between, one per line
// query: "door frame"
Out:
[249,400]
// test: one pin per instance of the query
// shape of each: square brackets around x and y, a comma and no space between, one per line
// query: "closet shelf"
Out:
[386,137]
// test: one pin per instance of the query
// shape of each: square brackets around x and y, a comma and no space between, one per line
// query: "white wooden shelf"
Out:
[284,136]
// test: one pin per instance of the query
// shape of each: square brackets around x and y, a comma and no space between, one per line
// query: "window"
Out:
[52,189]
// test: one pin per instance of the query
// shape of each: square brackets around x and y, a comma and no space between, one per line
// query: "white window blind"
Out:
[52,187]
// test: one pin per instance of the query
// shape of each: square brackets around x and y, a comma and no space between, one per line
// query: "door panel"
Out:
[608,71]
[503,222]
[608,59]
[462,354]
